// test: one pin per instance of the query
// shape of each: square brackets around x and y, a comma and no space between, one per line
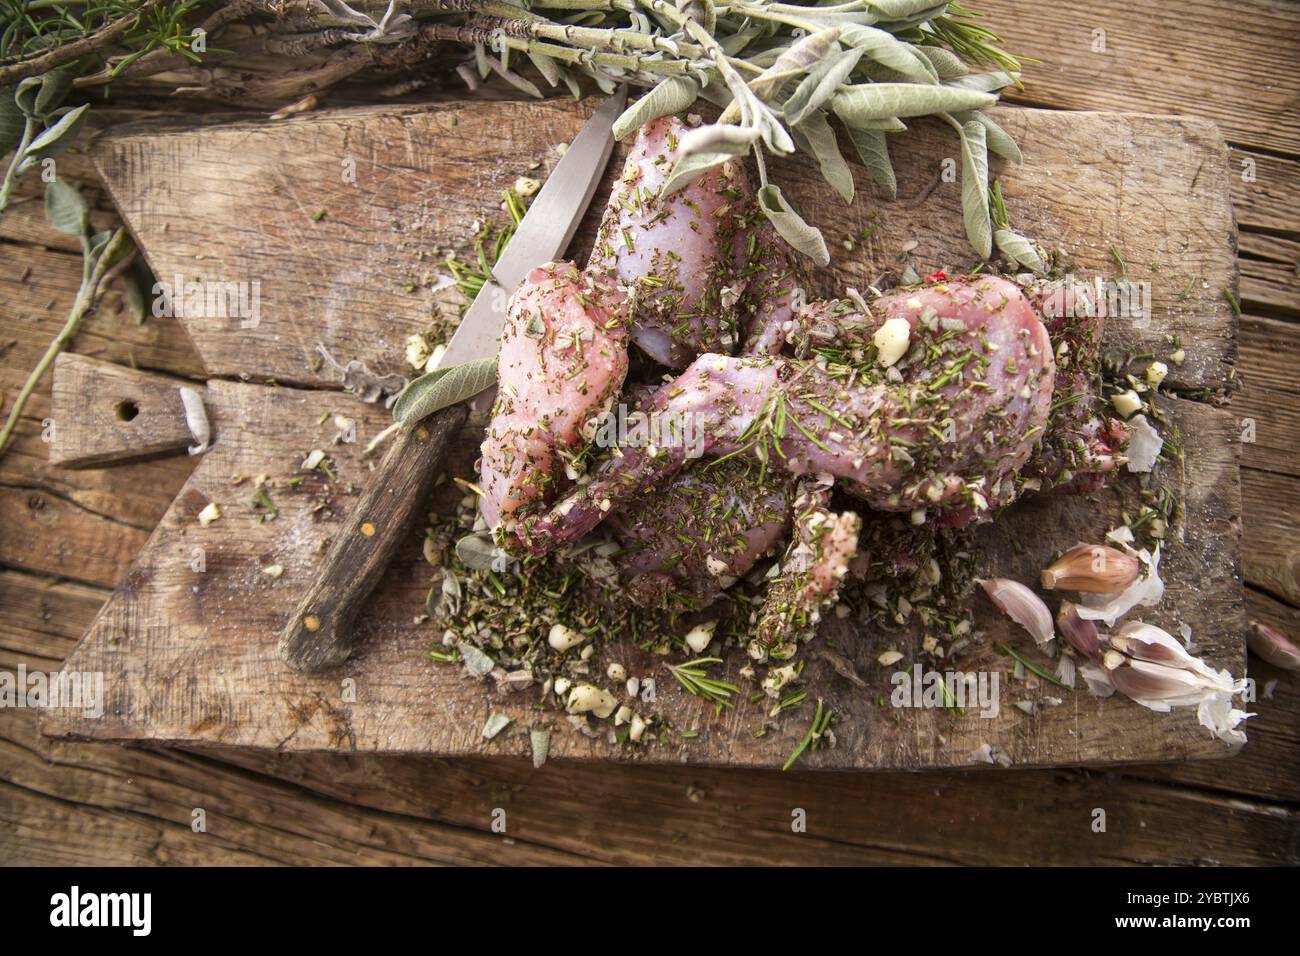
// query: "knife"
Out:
[320,632]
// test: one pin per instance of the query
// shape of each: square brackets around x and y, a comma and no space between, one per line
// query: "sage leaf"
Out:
[891,125]
[872,147]
[12,122]
[1019,250]
[876,101]
[999,140]
[442,388]
[982,82]
[975,188]
[57,138]
[815,137]
[799,58]
[947,64]
[477,664]
[546,66]
[691,168]
[820,85]
[902,9]
[66,209]
[672,95]
[718,138]
[495,724]
[539,739]
[477,552]
[522,84]
[791,227]
[25,95]
[883,48]
[55,85]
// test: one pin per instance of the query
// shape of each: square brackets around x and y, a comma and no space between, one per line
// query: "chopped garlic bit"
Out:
[1127,403]
[1145,445]
[892,340]
[1156,373]
[588,698]
[273,570]
[889,658]
[698,637]
[562,638]
[313,460]
[527,186]
[209,514]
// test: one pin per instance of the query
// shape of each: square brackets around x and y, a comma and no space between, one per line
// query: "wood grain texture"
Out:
[1232,63]
[105,413]
[81,803]
[341,263]
[321,630]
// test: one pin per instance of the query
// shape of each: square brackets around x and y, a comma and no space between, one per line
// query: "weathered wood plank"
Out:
[105,414]
[37,288]
[340,218]
[641,816]
[1158,61]
[132,494]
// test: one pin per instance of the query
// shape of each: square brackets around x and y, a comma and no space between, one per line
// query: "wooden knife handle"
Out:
[319,635]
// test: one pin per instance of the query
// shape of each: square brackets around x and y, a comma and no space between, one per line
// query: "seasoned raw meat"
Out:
[562,362]
[681,255]
[815,564]
[949,423]
[699,533]
[1082,444]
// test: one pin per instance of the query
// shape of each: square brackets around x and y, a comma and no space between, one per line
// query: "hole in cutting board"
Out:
[126,410]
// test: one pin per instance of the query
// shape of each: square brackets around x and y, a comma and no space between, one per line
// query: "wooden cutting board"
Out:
[343,216]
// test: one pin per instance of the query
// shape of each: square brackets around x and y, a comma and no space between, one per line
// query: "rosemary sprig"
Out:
[820,722]
[1031,666]
[488,246]
[693,675]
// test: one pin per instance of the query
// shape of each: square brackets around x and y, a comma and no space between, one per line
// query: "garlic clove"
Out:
[1272,646]
[1093,568]
[1080,634]
[1021,605]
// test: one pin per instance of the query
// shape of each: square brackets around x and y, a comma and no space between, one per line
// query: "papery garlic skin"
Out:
[1021,605]
[1091,568]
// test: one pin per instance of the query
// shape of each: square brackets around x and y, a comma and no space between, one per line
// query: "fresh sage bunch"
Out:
[442,388]
[34,124]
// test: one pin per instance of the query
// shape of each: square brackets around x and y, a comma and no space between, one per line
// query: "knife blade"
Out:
[320,632]
[544,233]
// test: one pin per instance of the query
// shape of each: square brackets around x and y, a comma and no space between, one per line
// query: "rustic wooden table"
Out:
[67,537]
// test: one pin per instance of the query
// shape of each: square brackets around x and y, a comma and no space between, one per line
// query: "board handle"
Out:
[320,633]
